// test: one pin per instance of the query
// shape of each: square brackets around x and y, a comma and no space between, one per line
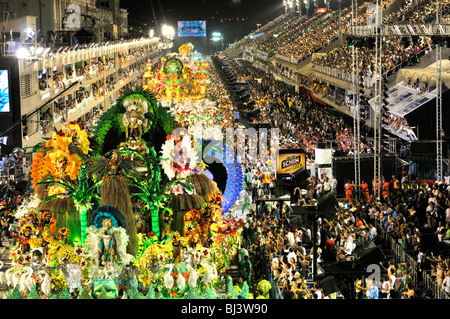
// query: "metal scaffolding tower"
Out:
[356,116]
[439,130]
[356,99]
[378,97]
[439,33]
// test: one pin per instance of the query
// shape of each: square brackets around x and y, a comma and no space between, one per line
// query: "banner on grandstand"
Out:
[290,161]
[192,28]
[403,100]
[321,10]
[255,36]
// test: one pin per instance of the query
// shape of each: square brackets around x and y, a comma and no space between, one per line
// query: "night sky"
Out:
[220,16]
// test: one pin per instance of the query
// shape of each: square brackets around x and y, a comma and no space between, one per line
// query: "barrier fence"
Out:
[404,256]
[423,277]
[368,81]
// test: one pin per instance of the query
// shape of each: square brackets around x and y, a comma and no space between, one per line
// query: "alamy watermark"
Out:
[229,145]
[375,272]
[74,16]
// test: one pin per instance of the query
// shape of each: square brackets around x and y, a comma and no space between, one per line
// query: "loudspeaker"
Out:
[298,222]
[371,256]
[262,125]
[327,204]
[328,285]
[244,96]
[300,175]
[254,112]
[341,285]
[360,249]
[249,105]
[278,192]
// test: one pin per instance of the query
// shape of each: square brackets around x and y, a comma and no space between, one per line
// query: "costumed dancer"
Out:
[107,244]
[245,201]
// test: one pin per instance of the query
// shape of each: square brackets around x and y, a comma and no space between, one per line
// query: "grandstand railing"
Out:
[430,285]
[398,251]
[287,59]
[398,66]
[368,81]
[18,172]
[426,29]
[404,256]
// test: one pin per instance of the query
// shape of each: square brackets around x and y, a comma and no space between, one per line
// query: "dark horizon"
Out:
[220,16]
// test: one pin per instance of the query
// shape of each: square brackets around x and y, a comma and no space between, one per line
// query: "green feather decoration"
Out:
[244,292]
[103,294]
[15,293]
[151,292]
[65,294]
[33,293]
[157,115]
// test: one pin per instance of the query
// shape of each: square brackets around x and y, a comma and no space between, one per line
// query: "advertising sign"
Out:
[290,161]
[192,28]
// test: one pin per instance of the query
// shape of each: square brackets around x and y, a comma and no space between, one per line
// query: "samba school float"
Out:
[132,212]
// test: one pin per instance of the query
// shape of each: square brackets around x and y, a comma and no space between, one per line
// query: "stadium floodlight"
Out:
[168,31]
[216,36]
[22,53]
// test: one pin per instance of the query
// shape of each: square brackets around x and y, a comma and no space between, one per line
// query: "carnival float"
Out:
[133,211]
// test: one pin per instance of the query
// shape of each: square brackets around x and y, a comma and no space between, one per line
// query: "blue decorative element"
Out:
[234,181]
[108,212]
[214,149]
[101,216]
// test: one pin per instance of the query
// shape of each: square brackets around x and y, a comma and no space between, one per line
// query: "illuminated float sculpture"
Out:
[84,228]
